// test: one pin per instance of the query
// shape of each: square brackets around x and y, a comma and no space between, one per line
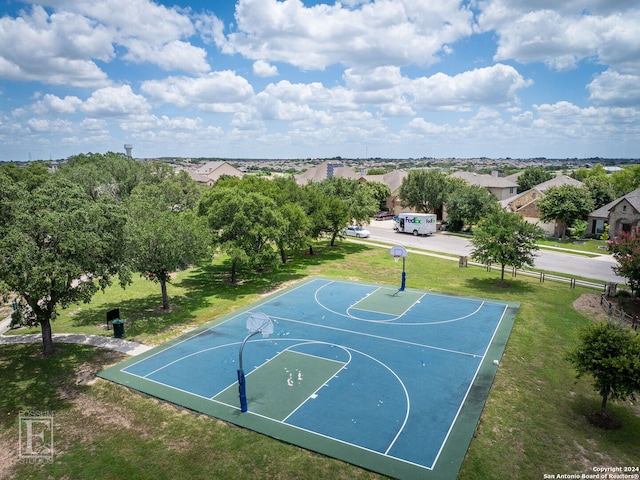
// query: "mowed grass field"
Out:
[534,422]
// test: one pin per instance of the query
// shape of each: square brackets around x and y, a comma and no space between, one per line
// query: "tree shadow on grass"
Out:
[494,287]
[202,286]
[44,385]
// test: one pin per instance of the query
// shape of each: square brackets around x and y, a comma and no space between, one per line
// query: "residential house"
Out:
[327,169]
[526,203]
[622,215]
[393,180]
[499,186]
[211,171]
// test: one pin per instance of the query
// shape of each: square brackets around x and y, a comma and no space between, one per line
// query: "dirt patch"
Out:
[588,304]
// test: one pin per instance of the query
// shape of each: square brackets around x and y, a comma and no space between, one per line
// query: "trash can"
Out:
[118,328]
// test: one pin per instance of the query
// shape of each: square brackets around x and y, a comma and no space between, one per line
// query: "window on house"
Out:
[624,208]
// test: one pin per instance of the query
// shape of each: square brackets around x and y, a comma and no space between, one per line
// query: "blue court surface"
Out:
[392,381]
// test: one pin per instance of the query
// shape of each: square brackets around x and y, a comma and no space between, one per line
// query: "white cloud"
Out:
[54,49]
[174,55]
[115,101]
[215,92]
[613,88]
[398,32]
[561,34]
[53,105]
[490,85]
[264,69]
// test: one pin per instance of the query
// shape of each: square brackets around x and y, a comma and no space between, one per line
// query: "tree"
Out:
[626,180]
[60,248]
[467,204]
[347,201]
[425,190]
[379,191]
[30,177]
[601,189]
[611,354]
[626,251]
[506,239]
[289,199]
[244,225]
[532,176]
[565,204]
[164,234]
[112,174]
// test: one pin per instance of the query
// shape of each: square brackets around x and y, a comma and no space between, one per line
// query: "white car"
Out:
[356,232]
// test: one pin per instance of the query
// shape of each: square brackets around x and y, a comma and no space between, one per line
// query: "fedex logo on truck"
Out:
[418,221]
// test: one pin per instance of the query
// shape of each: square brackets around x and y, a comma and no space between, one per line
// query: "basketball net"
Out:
[396,258]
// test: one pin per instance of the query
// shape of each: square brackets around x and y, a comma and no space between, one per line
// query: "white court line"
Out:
[392,320]
[380,337]
[243,312]
[473,380]
[315,393]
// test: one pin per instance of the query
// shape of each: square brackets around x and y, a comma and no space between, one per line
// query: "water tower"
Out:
[128,147]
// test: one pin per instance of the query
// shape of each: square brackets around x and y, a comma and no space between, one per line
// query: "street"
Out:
[599,268]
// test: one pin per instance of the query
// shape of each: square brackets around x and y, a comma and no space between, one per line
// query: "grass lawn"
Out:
[533,424]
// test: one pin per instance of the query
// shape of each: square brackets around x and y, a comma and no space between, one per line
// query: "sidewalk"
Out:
[111,343]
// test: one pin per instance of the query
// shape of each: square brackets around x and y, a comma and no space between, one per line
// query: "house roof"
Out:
[392,179]
[321,172]
[632,197]
[208,167]
[558,181]
[487,181]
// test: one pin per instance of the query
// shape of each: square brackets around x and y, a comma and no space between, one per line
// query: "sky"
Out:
[313,79]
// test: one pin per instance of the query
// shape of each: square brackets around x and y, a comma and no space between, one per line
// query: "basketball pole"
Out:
[241,380]
[242,385]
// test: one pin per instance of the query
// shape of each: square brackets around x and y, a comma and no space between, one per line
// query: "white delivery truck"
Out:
[416,223]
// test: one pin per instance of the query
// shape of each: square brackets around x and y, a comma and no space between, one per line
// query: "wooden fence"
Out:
[617,315]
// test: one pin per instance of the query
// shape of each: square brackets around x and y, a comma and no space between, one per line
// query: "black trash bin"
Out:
[118,328]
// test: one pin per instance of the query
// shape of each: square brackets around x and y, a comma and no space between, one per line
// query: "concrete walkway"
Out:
[111,343]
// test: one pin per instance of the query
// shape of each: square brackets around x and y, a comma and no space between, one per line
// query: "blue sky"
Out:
[305,79]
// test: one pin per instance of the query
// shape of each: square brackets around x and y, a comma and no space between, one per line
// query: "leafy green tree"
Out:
[532,176]
[319,207]
[30,177]
[467,204]
[626,180]
[565,204]
[60,248]
[506,239]
[583,174]
[244,225]
[626,251]
[289,200]
[425,190]
[348,201]
[611,354]
[602,190]
[164,234]
[379,191]
[112,174]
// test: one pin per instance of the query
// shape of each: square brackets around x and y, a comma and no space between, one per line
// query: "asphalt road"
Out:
[599,268]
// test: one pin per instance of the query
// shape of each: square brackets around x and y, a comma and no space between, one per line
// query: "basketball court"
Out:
[391,380]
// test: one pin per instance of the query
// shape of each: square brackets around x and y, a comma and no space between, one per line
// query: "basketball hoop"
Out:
[257,322]
[399,252]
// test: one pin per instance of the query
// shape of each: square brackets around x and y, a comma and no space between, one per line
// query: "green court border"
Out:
[453,451]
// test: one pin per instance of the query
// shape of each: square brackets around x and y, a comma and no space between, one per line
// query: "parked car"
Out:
[383,216]
[358,232]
